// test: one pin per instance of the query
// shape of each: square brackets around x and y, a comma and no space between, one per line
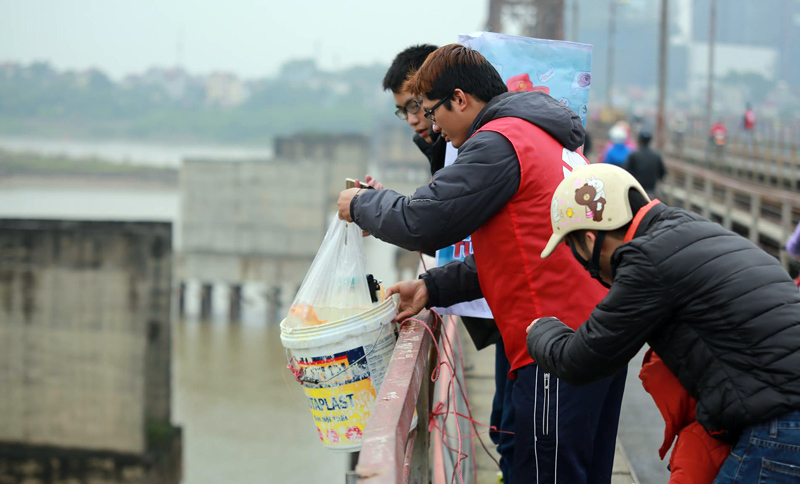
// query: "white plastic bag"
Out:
[335,286]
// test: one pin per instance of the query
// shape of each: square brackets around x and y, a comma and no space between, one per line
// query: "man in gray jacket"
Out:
[483,331]
[513,150]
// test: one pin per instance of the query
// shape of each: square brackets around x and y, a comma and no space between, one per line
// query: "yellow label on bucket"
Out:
[340,412]
[341,388]
[342,399]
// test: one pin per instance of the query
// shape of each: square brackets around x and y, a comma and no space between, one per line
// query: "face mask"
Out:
[593,266]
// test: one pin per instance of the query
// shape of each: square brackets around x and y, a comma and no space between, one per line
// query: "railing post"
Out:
[781,177]
[793,165]
[727,219]
[418,461]
[688,187]
[390,450]
[741,168]
[786,229]
[755,214]
[708,192]
[667,188]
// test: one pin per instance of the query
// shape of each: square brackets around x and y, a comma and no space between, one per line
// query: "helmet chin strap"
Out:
[598,246]
[593,266]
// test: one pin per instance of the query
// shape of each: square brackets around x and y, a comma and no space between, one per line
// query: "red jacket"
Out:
[518,284]
[697,457]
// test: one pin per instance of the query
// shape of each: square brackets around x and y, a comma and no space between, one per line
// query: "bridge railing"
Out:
[391,451]
[771,155]
[768,140]
[767,215]
[771,158]
[753,196]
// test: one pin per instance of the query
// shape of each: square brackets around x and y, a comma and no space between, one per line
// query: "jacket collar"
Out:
[649,217]
[644,223]
[482,117]
[537,108]
[637,219]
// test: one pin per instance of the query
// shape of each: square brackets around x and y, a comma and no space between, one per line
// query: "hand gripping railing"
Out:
[391,452]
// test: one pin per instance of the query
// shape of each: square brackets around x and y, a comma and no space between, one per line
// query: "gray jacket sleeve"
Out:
[452,283]
[636,305]
[460,198]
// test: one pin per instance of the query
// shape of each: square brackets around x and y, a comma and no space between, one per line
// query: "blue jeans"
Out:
[767,453]
[503,413]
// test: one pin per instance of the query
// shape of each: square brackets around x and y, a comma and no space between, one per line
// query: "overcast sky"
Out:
[249,37]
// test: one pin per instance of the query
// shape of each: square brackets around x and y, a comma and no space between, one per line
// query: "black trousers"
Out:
[564,433]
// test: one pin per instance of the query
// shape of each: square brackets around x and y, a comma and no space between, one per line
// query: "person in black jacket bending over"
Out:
[722,314]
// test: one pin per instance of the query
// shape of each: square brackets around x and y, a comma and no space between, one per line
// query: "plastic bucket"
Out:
[342,365]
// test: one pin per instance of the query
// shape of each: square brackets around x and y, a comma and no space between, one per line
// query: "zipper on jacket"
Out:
[546,412]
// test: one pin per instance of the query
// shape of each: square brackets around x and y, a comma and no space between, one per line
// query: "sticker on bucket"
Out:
[341,389]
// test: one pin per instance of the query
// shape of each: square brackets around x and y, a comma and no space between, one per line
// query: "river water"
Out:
[244,418]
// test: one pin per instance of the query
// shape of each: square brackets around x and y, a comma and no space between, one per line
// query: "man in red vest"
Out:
[514,149]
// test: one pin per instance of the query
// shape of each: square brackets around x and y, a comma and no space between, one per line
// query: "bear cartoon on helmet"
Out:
[592,197]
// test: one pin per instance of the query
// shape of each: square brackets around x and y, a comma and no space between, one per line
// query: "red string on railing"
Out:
[437,420]
[435,375]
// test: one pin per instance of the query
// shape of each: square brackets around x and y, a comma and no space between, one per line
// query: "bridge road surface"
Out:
[641,427]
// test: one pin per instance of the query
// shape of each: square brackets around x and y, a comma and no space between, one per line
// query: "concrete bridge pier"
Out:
[235,302]
[85,353]
[206,296]
[274,304]
[181,299]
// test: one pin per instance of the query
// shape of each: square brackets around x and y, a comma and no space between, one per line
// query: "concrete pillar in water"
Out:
[206,291]
[181,299]
[273,304]
[235,302]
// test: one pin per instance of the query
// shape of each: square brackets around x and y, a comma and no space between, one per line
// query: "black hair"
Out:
[645,137]
[455,66]
[405,63]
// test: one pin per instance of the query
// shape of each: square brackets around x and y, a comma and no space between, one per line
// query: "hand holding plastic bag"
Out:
[335,286]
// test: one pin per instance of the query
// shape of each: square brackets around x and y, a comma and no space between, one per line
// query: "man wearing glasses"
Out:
[409,107]
[513,150]
[483,331]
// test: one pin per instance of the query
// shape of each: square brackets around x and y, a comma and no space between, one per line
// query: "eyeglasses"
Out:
[412,107]
[429,113]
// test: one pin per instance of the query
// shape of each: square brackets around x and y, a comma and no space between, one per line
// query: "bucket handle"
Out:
[300,376]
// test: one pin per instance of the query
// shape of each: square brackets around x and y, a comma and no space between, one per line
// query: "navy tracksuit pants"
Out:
[564,433]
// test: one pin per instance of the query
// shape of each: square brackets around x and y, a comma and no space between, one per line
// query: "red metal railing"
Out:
[391,452]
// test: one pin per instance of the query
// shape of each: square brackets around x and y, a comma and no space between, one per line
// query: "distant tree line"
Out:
[170,104]
[13,164]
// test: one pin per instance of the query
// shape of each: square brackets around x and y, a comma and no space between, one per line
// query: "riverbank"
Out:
[23,167]
[83,181]
[130,151]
